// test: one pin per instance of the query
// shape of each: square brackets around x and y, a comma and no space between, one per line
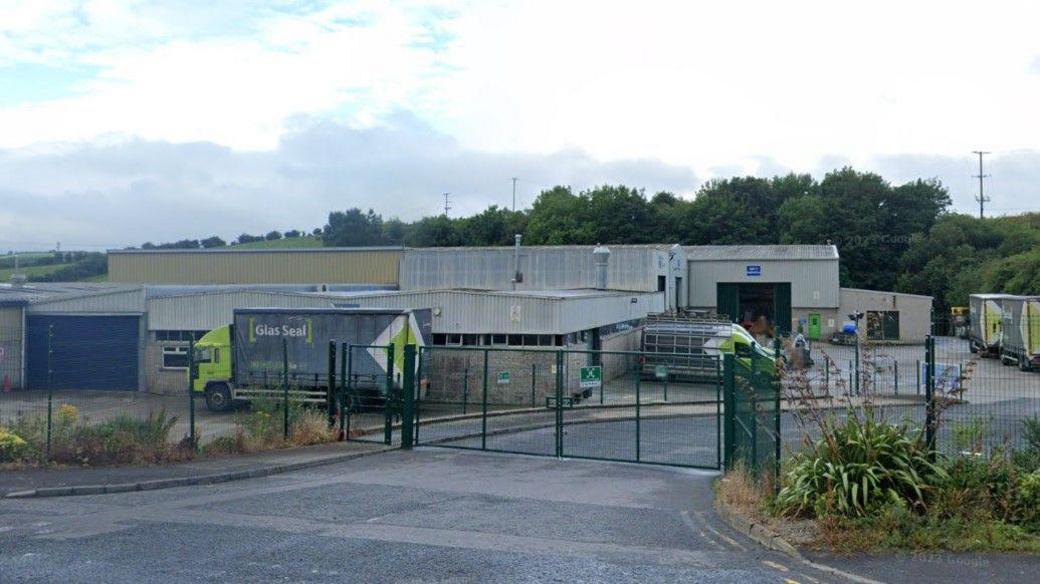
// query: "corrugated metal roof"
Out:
[235,249]
[696,253]
[39,292]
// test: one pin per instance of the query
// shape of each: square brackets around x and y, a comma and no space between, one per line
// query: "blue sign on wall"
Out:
[754,271]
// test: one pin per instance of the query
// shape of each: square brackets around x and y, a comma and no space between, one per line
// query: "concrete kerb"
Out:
[207,479]
[769,539]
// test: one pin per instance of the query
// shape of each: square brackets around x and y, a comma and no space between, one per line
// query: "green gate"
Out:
[623,406]
[375,401]
[752,421]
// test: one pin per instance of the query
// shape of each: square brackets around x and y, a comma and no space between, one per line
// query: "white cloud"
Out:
[125,193]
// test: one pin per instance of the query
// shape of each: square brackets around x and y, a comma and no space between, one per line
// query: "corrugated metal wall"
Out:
[814,283]
[915,312]
[307,266]
[10,347]
[207,311]
[475,312]
[544,268]
[115,301]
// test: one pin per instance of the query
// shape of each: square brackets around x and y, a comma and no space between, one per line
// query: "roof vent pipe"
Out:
[601,259]
[517,276]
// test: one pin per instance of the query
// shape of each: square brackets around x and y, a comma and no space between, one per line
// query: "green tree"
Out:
[353,228]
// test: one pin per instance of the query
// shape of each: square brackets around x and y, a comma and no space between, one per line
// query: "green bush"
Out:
[863,465]
[12,447]
[1031,433]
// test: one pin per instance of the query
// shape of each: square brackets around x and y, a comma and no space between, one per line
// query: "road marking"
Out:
[776,566]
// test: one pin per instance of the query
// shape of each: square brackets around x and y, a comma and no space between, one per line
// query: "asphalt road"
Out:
[431,515]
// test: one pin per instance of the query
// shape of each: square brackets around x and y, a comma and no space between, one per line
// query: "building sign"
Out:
[503,378]
[753,271]
[591,376]
[661,371]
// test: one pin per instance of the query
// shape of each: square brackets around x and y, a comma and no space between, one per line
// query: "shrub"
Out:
[1031,433]
[311,426]
[119,440]
[12,447]
[863,465]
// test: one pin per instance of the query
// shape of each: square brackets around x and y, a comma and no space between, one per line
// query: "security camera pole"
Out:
[855,316]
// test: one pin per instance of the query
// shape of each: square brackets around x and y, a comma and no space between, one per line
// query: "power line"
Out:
[981,198]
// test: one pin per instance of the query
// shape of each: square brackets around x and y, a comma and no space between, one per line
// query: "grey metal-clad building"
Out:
[812,271]
[641,268]
[323,265]
[522,312]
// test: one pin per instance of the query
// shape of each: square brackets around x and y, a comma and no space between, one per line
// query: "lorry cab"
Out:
[213,368]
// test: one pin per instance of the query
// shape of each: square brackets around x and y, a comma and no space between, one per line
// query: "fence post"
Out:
[408,392]
[896,377]
[191,395]
[285,388]
[929,394]
[534,369]
[729,384]
[465,388]
[778,388]
[330,386]
[388,422]
[718,413]
[50,389]
[917,372]
[639,438]
[342,393]
[559,403]
[483,405]
[348,394]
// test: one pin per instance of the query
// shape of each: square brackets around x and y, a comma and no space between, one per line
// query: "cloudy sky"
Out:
[125,121]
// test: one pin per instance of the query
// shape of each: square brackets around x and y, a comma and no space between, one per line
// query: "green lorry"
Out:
[263,347]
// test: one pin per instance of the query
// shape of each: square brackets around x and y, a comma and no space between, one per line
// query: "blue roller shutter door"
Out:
[87,351]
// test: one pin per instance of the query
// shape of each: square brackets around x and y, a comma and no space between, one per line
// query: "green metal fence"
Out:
[752,405]
[601,405]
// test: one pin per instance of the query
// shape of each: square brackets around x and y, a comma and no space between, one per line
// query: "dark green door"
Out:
[814,326]
[782,307]
[727,300]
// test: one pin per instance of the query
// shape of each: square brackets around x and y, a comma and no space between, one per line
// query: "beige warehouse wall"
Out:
[11,346]
[303,266]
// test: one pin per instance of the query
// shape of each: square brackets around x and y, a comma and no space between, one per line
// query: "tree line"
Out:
[890,237]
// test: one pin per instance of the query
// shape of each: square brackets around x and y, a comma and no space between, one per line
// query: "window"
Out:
[175,357]
[498,339]
[439,339]
[182,336]
[883,325]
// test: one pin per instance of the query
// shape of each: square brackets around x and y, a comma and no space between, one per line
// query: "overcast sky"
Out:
[124,121]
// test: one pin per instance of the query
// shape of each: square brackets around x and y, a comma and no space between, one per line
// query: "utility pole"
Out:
[514,194]
[981,198]
[447,204]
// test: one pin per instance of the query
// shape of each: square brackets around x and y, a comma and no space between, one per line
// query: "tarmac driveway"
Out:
[427,515]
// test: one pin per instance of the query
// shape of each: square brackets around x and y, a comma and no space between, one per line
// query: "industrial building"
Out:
[132,333]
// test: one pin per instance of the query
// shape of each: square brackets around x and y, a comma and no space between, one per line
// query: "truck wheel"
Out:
[1023,364]
[218,398]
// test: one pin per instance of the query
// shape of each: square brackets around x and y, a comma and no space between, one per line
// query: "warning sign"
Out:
[591,376]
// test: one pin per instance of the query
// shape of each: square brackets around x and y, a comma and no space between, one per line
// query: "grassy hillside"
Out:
[5,274]
[288,243]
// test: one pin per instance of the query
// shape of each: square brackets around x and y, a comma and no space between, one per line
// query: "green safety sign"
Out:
[661,371]
[591,376]
[503,378]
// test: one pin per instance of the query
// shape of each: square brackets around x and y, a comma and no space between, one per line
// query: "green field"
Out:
[295,242]
[5,274]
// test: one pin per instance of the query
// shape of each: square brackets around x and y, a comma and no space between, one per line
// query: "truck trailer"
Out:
[1020,341]
[263,348]
[986,320]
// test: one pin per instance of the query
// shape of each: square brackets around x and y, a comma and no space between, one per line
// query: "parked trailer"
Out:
[1020,342]
[986,314]
[689,349]
[247,359]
